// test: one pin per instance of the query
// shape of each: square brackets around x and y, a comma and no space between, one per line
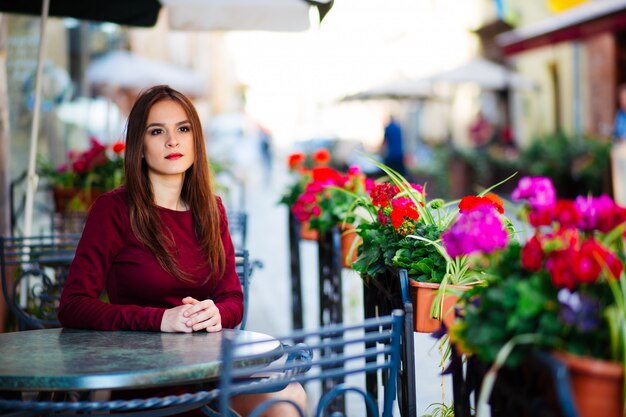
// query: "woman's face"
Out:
[168,141]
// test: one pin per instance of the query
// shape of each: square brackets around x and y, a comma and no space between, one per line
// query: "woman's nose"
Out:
[172,141]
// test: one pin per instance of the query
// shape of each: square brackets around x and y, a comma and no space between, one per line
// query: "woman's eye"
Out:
[156,131]
[185,129]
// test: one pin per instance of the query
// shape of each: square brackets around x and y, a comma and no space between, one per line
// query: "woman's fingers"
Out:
[203,316]
[199,315]
[213,324]
[199,306]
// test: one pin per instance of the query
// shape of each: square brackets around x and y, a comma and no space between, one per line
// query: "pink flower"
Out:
[418,188]
[480,230]
[354,170]
[539,192]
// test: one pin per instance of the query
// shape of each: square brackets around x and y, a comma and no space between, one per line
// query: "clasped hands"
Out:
[192,315]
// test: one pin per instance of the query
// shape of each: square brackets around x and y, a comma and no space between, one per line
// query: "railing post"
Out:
[296,281]
[330,299]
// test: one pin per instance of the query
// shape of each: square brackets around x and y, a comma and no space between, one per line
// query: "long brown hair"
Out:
[197,191]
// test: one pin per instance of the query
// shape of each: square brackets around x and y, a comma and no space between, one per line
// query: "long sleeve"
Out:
[102,240]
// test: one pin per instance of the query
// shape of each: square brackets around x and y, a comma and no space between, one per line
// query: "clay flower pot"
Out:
[597,385]
[74,199]
[348,236]
[306,233]
[423,295]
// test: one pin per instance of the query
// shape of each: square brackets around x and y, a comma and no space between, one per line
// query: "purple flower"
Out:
[539,192]
[592,209]
[579,310]
[354,170]
[479,230]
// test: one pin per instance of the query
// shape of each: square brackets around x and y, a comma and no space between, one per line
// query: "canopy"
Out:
[128,70]
[407,89]
[272,15]
[123,12]
[486,74]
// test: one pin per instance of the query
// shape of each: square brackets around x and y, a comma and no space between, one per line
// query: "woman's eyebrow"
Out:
[157,124]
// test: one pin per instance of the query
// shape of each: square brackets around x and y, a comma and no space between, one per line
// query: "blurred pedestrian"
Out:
[481,131]
[392,149]
[619,125]
[265,139]
[160,245]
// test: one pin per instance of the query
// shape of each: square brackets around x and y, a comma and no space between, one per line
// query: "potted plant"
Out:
[300,169]
[563,290]
[85,176]
[401,229]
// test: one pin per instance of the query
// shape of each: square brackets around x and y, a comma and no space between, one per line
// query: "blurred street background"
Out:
[480,89]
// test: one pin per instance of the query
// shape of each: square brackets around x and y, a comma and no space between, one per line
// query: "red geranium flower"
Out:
[295,160]
[470,202]
[321,156]
[532,254]
[118,147]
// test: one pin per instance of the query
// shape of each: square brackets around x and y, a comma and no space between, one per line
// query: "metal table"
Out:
[68,359]
[38,367]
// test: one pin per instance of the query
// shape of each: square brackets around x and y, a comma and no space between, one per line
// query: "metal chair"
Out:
[33,271]
[243,268]
[238,227]
[369,347]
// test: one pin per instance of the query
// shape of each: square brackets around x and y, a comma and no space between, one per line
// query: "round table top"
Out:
[70,359]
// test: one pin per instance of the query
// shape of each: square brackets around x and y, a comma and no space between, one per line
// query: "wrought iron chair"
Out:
[369,347]
[33,271]
[243,268]
[238,227]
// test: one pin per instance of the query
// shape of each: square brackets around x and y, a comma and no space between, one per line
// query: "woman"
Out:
[160,245]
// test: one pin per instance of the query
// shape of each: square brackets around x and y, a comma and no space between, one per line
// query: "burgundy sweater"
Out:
[110,257]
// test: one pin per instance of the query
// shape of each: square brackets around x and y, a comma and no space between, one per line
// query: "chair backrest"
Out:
[238,227]
[369,347]
[243,268]
[33,271]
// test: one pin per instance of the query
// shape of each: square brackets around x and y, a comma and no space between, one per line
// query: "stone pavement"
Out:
[270,299]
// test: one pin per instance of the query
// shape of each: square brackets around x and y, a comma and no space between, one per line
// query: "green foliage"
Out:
[293,191]
[334,210]
[384,249]
[439,410]
[575,165]
[517,302]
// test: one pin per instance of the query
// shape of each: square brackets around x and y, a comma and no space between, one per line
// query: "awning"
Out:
[123,12]
[407,89]
[271,15]
[579,22]
[486,74]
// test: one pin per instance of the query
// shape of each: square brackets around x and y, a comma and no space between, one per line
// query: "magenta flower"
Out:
[354,170]
[539,192]
[418,188]
[480,230]
[592,210]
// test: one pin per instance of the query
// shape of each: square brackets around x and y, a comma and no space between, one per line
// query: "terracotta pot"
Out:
[74,199]
[306,233]
[597,385]
[423,295]
[348,236]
